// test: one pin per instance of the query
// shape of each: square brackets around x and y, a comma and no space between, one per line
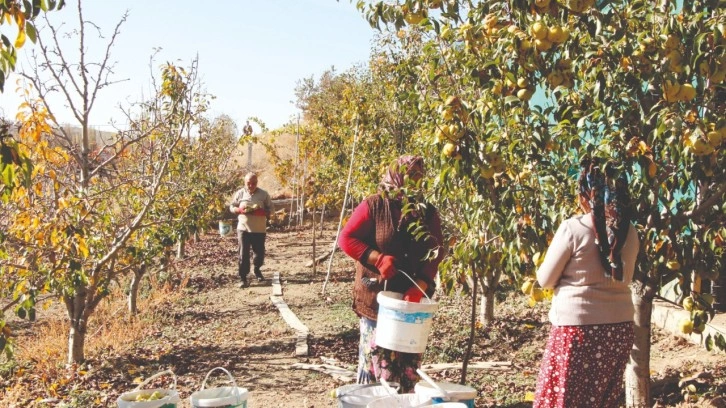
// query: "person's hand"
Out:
[414,294]
[241,209]
[386,265]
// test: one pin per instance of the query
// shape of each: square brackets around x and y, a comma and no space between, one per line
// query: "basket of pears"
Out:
[151,398]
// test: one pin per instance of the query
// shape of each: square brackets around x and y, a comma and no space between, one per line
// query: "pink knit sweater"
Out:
[583,295]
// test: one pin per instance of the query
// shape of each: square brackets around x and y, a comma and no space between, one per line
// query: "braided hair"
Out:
[610,208]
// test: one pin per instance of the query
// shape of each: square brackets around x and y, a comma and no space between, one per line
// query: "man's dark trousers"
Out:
[254,241]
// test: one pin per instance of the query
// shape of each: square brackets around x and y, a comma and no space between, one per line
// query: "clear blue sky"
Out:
[251,53]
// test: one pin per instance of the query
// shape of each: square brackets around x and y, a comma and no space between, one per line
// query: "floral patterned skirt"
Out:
[583,366]
[377,362]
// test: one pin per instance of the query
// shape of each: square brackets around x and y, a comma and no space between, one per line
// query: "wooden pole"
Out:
[342,208]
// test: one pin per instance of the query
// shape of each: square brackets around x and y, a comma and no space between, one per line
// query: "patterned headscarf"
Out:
[610,207]
[397,172]
[393,183]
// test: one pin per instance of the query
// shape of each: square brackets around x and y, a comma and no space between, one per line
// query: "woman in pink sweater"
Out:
[590,264]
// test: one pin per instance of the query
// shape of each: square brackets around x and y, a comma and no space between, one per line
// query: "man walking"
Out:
[247,129]
[254,206]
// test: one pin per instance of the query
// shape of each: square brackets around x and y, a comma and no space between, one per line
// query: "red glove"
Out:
[386,266]
[414,294]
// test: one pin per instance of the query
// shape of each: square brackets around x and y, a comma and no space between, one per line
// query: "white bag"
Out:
[228,397]
[169,399]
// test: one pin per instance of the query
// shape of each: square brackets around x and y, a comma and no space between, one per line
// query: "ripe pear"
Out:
[528,286]
[449,150]
[688,303]
[539,31]
[558,34]
[714,138]
[542,44]
[524,94]
[538,295]
[685,326]
[670,91]
[157,395]
[686,93]
[704,69]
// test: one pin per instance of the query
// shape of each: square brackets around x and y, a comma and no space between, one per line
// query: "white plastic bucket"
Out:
[359,395]
[225,228]
[455,393]
[403,326]
[170,397]
[398,401]
[227,397]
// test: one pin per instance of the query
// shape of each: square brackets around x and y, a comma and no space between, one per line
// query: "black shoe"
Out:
[245,283]
[260,278]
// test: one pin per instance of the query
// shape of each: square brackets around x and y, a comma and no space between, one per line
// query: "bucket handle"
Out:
[231,379]
[444,393]
[385,283]
[148,380]
[394,385]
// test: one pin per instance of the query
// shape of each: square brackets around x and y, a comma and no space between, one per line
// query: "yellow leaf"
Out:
[651,169]
[528,326]
[138,380]
[643,147]
[82,247]
[20,41]
[531,302]
[529,396]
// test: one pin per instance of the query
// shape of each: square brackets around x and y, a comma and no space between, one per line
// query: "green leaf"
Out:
[30,30]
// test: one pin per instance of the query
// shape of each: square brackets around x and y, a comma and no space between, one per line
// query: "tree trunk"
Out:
[486,309]
[76,341]
[314,246]
[77,313]
[322,220]
[489,285]
[472,332]
[637,372]
[180,247]
[134,289]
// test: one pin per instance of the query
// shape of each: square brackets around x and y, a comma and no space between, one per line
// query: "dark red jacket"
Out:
[375,224]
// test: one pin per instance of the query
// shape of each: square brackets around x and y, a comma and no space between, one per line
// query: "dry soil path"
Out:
[243,331]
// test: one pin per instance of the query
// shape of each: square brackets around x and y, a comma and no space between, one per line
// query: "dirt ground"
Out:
[220,324]
[212,322]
